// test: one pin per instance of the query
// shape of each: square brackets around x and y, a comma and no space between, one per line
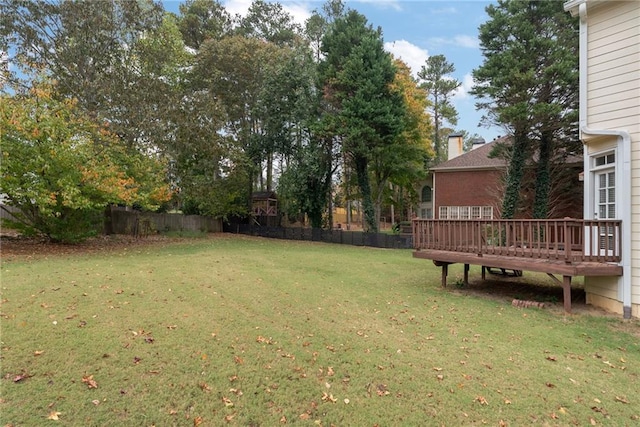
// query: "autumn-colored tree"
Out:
[60,170]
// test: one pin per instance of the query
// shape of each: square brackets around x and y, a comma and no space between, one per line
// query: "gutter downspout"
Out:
[623,180]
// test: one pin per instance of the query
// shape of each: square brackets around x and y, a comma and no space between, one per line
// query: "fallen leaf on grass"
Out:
[197,421]
[227,402]
[283,420]
[238,360]
[481,400]
[229,417]
[551,358]
[263,340]
[621,399]
[328,398]
[38,352]
[21,377]
[382,390]
[304,416]
[95,402]
[54,415]
[550,385]
[205,387]
[89,381]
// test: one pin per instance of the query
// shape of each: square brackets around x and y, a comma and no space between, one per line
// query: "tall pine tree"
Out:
[366,114]
[528,84]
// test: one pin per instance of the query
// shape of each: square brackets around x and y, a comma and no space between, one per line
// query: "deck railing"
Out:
[571,240]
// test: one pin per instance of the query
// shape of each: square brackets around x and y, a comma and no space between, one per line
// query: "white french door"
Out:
[605,208]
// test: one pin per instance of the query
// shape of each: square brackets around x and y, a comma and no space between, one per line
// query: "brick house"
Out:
[470,185]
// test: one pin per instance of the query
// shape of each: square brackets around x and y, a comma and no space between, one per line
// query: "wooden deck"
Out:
[565,247]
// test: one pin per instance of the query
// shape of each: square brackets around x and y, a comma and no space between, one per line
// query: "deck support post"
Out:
[566,293]
[466,274]
[445,272]
[484,272]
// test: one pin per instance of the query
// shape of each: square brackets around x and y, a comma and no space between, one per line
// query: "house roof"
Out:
[263,195]
[477,158]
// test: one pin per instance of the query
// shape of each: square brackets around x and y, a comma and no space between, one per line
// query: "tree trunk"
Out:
[514,175]
[269,171]
[543,178]
[362,174]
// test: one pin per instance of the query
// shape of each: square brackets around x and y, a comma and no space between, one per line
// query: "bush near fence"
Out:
[125,221]
[355,238]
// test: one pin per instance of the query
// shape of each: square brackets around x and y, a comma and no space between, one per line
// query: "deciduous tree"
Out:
[60,170]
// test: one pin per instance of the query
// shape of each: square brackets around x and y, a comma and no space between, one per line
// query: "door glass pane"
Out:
[603,196]
[612,211]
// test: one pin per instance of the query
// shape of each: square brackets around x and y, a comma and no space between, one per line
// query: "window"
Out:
[606,159]
[465,212]
[426,193]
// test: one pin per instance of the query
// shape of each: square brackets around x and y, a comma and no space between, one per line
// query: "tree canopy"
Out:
[528,83]
[199,109]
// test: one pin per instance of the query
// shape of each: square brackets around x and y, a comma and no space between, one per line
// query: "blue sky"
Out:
[413,30]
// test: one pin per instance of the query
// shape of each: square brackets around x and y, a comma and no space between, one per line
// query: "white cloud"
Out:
[463,90]
[383,4]
[300,10]
[237,7]
[460,40]
[445,10]
[411,54]
[466,41]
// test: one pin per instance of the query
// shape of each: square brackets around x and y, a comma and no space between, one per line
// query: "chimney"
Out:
[455,145]
[477,142]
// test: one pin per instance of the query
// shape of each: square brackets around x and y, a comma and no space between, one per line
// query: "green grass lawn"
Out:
[247,331]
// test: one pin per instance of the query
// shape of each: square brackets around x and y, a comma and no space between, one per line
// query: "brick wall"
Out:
[467,188]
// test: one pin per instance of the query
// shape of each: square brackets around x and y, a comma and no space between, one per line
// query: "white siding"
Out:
[614,67]
[613,102]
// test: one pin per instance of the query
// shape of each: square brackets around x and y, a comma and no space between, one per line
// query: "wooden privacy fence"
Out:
[571,240]
[122,221]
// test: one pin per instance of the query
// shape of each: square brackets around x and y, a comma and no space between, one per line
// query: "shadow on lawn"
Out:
[529,287]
